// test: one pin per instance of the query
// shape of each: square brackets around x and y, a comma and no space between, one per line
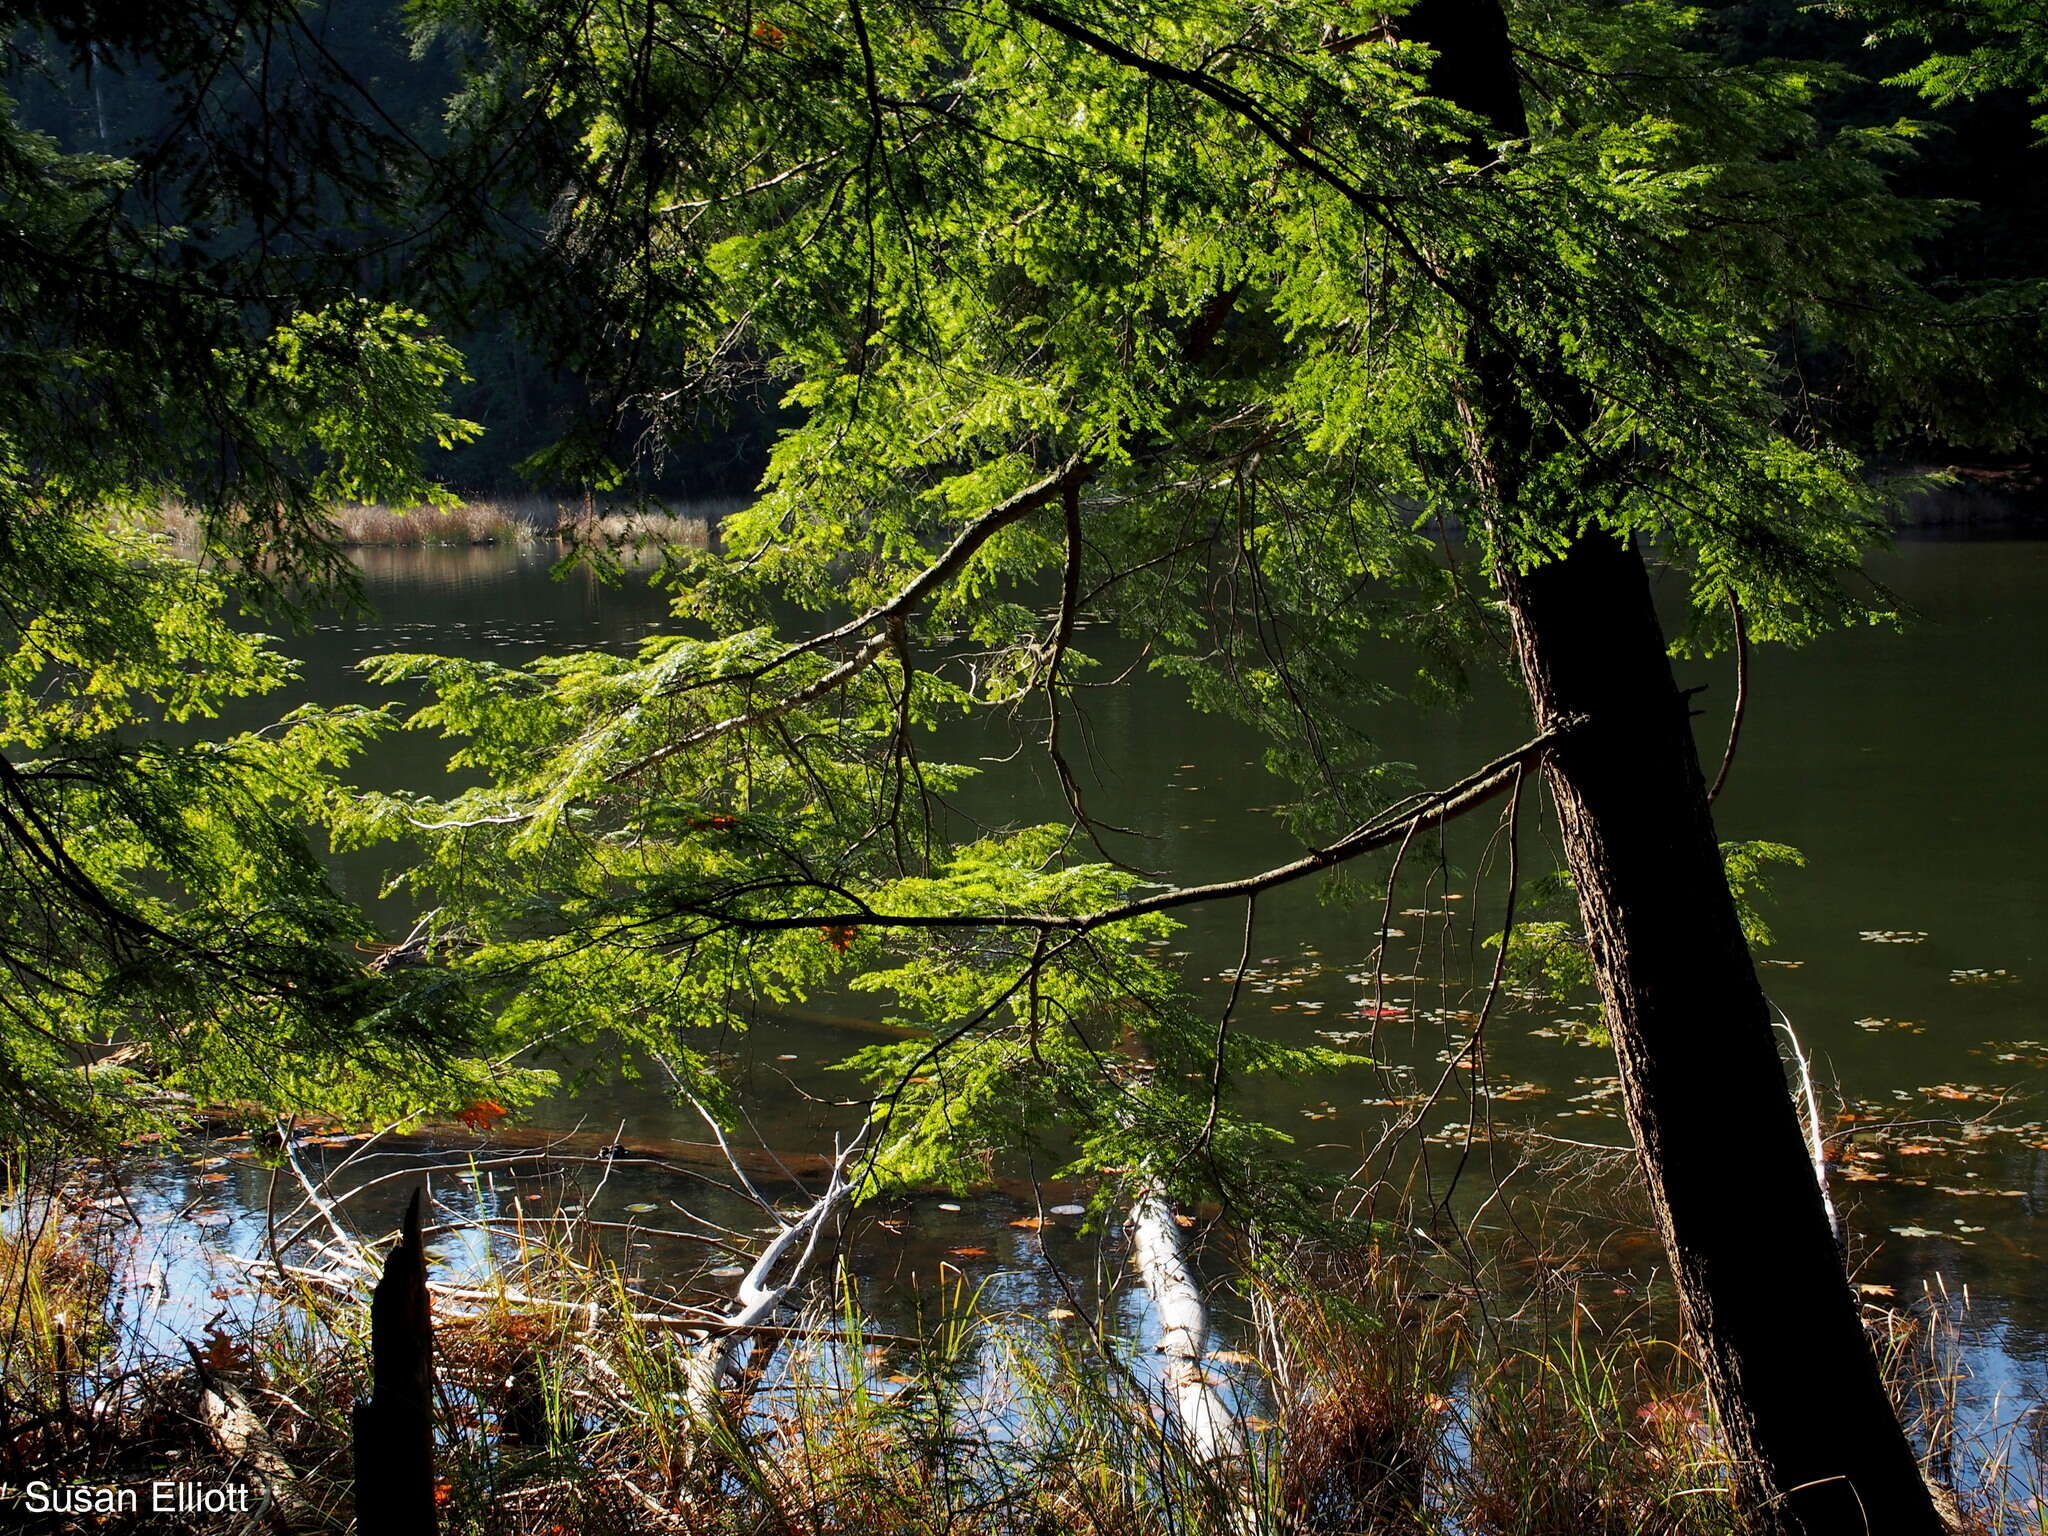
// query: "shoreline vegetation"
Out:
[495,520]
[1372,1389]
[1988,497]
[2002,498]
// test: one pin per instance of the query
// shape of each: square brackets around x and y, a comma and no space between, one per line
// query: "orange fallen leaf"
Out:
[1029,1223]
[482,1115]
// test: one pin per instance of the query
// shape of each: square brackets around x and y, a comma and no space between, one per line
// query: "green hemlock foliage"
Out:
[167,934]
[1169,320]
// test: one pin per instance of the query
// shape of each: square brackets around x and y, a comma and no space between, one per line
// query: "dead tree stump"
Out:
[394,1426]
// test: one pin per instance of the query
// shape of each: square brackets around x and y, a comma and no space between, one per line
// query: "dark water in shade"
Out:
[1906,766]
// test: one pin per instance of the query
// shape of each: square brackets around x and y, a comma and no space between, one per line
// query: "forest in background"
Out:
[529,390]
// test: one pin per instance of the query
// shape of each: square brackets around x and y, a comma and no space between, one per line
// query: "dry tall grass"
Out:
[1375,1400]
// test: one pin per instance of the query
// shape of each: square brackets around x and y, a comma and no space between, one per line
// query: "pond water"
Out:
[1907,766]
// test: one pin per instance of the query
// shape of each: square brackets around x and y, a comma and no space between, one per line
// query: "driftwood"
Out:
[756,1296]
[394,1427]
[579,1316]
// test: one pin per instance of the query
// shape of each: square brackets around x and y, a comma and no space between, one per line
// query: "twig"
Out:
[1741,693]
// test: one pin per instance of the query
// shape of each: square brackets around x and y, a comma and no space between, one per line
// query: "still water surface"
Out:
[1907,766]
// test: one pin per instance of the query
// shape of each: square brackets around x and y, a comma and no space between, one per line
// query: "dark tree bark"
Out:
[1817,1445]
[1788,1367]
[394,1427]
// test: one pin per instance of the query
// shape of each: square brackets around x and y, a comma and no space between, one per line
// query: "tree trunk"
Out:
[1816,1443]
[1788,1368]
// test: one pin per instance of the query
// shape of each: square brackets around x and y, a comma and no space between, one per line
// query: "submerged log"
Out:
[800,1168]
[756,1297]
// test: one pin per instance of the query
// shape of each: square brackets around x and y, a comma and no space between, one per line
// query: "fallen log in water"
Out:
[1209,1429]
[577,1316]
[1158,1253]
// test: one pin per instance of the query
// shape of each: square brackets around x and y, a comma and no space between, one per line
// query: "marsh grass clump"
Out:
[1584,1440]
[1364,1423]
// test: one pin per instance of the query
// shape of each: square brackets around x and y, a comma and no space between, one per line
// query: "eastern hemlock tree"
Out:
[1267,337]
[166,932]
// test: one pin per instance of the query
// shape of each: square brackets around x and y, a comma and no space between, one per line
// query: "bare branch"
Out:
[1434,810]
